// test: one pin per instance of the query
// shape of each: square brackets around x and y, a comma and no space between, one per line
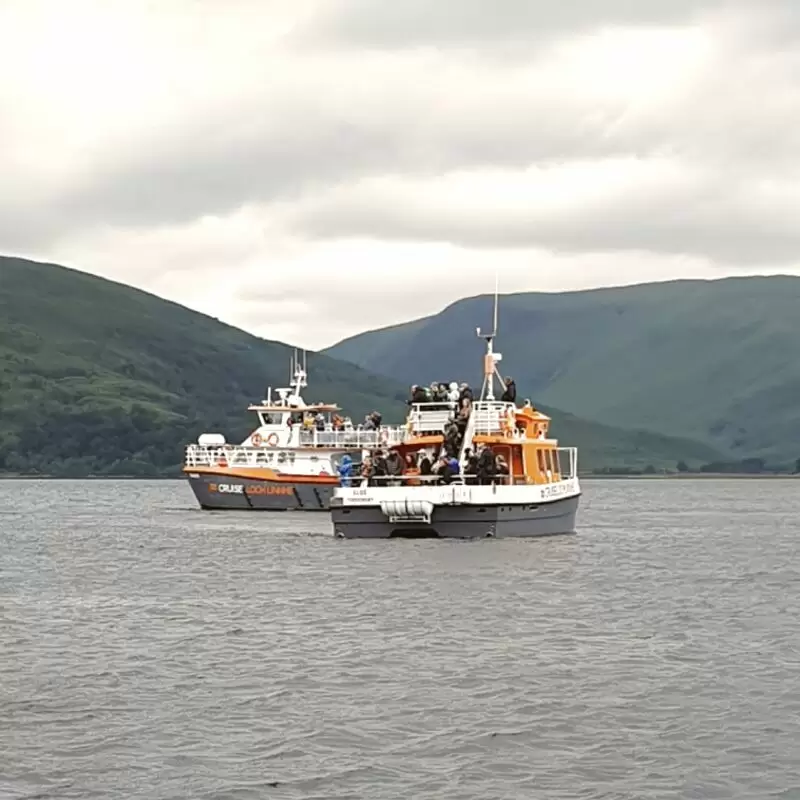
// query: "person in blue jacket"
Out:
[345,470]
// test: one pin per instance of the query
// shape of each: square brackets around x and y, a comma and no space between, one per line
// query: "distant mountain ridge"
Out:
[714,361]
[100,378]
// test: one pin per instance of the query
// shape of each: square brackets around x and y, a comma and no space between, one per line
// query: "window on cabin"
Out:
[540,458]
[549,460]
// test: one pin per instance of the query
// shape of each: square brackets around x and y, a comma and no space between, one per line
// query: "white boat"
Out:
[539,496]
[286,463]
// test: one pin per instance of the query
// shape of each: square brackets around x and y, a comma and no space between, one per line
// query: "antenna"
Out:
[491,358]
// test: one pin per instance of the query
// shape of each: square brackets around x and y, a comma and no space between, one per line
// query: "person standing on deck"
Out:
[510,393]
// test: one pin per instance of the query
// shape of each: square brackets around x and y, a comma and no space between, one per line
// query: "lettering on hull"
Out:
[558,489]
[256,490]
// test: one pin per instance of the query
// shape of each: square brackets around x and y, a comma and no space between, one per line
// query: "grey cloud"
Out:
[715,219]
[459,22]
[278,160]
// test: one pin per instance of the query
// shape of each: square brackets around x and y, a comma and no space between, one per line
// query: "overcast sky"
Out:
[314,168]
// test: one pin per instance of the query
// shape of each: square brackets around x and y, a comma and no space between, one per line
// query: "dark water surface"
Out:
[150,650]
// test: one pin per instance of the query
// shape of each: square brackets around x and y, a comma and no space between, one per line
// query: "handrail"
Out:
[468,478]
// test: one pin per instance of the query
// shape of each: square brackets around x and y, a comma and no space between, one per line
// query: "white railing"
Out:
[232,455]
[387,436]
[491,417]
[430,417]
[567,462]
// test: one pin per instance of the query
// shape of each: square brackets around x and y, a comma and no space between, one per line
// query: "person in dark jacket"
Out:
[418,395]
[451,439]
[510,394]
[470,466]
[487,467]
[379,469]
[394,467]
[425,465]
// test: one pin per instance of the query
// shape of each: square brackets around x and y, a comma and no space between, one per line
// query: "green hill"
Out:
[100,378]
[714,361]
[97,377]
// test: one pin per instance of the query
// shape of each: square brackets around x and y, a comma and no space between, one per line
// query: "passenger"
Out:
[345,470]
[377,418]
[510,394]
[394,467]
[465,393]
[369,423]
[454,395]
[463,415]
[425,465]
[338,423]
[487,466]
[502,470]
[367,471]
[410,470]
[379,468]
[470,466]
[442,393]
[418,395]
[319,421]
[452,439]
[447,469]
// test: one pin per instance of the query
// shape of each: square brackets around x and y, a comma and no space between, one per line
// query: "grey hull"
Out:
[223,493]
[459,521]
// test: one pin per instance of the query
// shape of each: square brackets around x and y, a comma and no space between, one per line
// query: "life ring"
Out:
[255,439]
[272,440]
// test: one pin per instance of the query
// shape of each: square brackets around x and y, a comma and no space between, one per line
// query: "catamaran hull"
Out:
[460,521]
[229,493]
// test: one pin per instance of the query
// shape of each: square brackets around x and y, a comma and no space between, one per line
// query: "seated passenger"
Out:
[447,469]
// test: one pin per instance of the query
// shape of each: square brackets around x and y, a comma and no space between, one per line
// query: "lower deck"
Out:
[464,521]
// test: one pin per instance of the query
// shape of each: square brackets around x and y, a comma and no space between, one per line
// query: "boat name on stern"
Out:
[557,489]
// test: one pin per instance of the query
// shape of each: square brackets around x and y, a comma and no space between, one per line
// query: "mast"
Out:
[491,358]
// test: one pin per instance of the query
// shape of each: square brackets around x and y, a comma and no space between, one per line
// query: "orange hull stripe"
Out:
[263,474]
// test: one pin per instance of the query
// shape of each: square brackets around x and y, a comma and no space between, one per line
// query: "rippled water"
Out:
[151,650]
